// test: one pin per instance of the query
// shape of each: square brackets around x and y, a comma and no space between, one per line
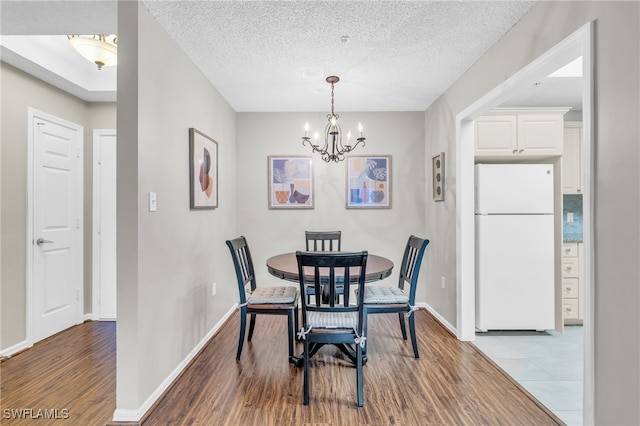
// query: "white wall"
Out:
[616,175]
[380,231]
[167,260]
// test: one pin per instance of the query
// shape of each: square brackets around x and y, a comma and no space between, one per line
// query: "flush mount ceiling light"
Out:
[333,149]
[101,49]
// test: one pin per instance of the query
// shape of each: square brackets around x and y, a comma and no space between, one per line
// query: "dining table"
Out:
[285,266]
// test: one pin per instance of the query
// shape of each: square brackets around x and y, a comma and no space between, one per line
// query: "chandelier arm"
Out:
[314,148]
[360,141]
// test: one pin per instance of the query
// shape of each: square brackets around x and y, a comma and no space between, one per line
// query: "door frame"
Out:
[580,41]
[32,114]
[97,225]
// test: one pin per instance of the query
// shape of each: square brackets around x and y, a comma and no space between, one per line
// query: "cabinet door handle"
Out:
[521,149]
[515,151]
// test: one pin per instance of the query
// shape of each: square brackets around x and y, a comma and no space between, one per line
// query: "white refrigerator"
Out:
[514,247]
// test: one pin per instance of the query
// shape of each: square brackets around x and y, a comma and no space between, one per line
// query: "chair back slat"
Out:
[323,240]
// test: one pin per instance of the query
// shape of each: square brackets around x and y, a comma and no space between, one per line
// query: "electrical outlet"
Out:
[442,281]
[213,289]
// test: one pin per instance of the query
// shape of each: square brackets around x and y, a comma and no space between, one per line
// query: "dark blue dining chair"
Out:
[400,299]
[254,300]
[329,321]
[322,241]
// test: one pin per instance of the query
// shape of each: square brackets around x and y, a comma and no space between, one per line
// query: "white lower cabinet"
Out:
[572,287]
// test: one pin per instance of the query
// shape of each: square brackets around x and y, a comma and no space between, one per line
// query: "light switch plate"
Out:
[153,204]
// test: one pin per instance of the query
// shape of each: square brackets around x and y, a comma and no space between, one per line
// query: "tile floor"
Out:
[549,365]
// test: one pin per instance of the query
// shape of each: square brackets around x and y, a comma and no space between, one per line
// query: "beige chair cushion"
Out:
[317,319]
[273,295]
[384,295]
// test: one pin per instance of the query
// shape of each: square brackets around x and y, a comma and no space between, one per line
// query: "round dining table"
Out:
[285,266]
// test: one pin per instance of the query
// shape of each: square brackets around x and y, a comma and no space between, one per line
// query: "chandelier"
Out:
[333,149]
[101,49]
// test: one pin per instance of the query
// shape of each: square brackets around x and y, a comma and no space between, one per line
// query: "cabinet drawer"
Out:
[570,250]
[570,288]
[570,309]
[570,267]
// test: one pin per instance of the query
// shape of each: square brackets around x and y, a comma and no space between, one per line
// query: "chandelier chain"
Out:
[332,100]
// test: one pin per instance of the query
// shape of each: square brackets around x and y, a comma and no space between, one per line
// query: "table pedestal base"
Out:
[349,351]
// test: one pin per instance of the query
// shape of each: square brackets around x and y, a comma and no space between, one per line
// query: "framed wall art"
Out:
[290,182]
[368,182]
[203,171]
[437,169]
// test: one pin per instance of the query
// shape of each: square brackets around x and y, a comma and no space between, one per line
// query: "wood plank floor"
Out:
[72,375]
[450,384]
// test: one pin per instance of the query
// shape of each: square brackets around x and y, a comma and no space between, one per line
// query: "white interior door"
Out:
[56,232]
[104,224]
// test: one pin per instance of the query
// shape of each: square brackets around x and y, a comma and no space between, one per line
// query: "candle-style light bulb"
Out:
[360,129]
[306,128]
[349,137]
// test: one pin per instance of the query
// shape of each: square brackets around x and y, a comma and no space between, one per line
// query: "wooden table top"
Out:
[285,266]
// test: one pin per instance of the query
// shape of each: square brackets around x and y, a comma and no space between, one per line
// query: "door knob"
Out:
[40,241]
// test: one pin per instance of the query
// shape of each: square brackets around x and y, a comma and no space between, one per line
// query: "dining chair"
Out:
[322,241]
[254,300]
[399,299]
[333,322]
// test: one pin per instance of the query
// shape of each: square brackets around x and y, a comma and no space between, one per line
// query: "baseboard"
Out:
[91,317]
[129,415]
[12,350]
[439,317]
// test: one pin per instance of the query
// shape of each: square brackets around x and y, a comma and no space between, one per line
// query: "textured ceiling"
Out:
[275,55]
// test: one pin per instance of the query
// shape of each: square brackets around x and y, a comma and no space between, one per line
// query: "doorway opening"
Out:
[104,225]
[578,44]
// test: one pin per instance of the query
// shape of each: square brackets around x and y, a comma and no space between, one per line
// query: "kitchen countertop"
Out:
[569,237]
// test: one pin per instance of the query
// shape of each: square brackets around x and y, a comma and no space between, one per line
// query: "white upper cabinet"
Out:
[572,159]
[496,135]
[521,133]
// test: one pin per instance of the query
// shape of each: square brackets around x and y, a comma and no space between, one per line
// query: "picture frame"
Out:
[437,171]
[368,183]
[290,182]
[203,171]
